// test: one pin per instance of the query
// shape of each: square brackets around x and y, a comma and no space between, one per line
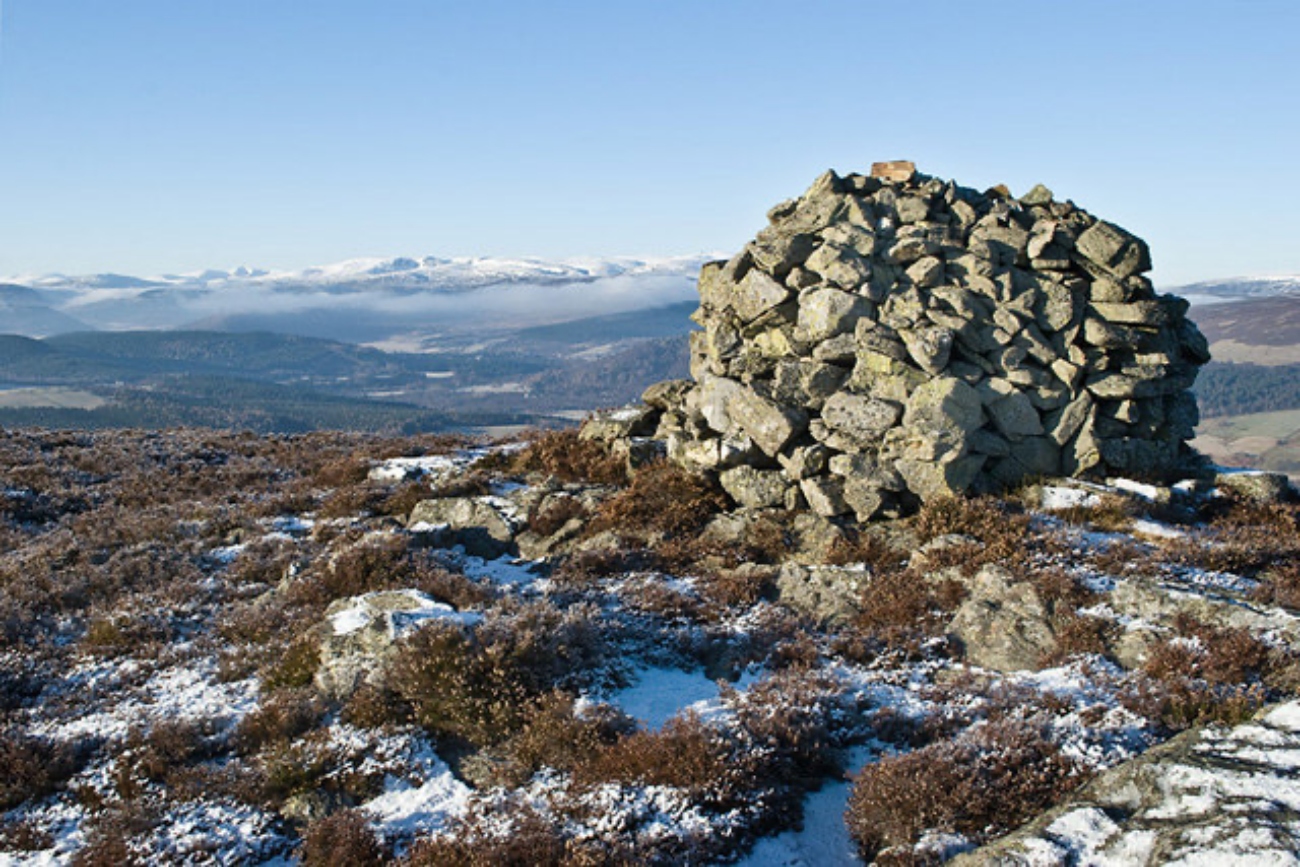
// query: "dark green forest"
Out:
[1239,389]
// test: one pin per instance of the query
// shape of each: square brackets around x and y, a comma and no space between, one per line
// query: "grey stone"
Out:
[1114,250]
[667,395]
[480,527]
[755,489]
[755,295]
[908,250]
[842,266]
[769,424]
[862,419]
[825,313]
[930,348]
[931,480]
[1207,796]
[608,426]
[804,461]
[866,500]
[828,594]
[1003,625]
[1150,314]
[714,396]
[912,209]
[926,272]
[944,403]
[1014,416]
[841,348]
[825,495]
[360,635]
[778,253]
[1256,485]
[1039,195]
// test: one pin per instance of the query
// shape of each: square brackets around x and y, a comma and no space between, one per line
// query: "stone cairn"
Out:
[893,338]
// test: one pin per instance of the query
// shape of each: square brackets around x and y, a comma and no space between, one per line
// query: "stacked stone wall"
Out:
[894,337]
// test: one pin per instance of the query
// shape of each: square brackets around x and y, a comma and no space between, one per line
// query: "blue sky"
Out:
[155,135]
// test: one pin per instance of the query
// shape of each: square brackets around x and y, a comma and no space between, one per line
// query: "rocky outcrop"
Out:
[1209,796]
[483,526]
[895,337]
[361,634]
[1003,624]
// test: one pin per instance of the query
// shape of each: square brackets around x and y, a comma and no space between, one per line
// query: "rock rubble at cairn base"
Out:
[895,338]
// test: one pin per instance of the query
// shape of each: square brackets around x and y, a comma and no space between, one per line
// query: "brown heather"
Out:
[982,784]
[343,839]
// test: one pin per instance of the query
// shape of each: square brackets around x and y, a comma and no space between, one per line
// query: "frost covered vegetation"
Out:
[222,648]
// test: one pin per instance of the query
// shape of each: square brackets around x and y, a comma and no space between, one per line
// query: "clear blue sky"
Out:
[153,135]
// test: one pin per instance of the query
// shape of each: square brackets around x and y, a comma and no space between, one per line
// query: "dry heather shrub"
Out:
[558,512]
[1280,585]
[554,736]
[342,839]
[375,706]
[866,547]
[1081,635]
[1181,703]
[342,471]
[1111,514]
[400,502]
[662,499]
[24,835]
[686,754]
[982,784]
[281,717]
[1225,655]
[545,645]
[1243,538]
[372,566]
[109,836]
[313,763]
[475,483]
[582,569]
[738,587]
[32,767]
[362,499]
[265,561]
[295,667]
[792,715]
[563,456]
[513,834]
[125,632]
[1212,675]
[994,522]
[654,595]
[900,610]
[1122,557]
[167,749]
[477,687]
[455,689]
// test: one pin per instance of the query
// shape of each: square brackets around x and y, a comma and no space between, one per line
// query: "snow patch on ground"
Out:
[823,840]
[1057,497]
[424,804]
[186,692]
[658,694]
[416,609]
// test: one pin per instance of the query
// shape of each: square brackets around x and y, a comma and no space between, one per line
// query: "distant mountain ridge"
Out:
[1233,288]
[357,301]
[429,273]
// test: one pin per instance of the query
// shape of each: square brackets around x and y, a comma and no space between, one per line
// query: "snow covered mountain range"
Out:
[430,273]
[358,299]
